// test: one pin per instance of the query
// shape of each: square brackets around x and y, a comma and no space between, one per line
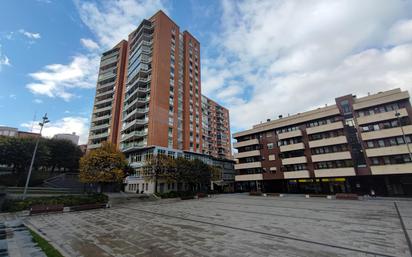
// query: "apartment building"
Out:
[108,102]
[14,132]
[216,129]
[149,94]
[356,145]
[137,182]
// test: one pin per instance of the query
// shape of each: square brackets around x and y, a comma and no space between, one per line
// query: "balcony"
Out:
[296,174]
[96,136]
[249,165]
[292,147]
[324,128]
[328,141]
[139,91]
[295,133]
[133,135]
[294,160]
[105,86]
[108,92]
[405,168]
[108,100]
[140,101]
[93,146]
[103,109]
[381,98]
[390,150]
[336,172]
[247,154]
[136,122]
[246,143]
[97,127]
[381,116]
[135,111]
[133,81]
[249,177]
[331,156]
[104,117]
[384,133]
[107,75]
[132,146]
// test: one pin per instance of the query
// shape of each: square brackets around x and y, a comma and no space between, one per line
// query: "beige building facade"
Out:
[356,145]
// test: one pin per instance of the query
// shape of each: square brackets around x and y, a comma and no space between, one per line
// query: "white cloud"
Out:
[30,35]
[89,44]
[79,125]
[283,57]
[400,32]
[112,21]
[12,96]
[38,101]
[4,60]
[56,80]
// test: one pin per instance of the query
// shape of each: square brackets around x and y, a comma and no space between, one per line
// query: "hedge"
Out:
[174,194]
[11,205]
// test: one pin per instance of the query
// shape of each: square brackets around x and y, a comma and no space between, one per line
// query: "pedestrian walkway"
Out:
[16,240]
[234,225]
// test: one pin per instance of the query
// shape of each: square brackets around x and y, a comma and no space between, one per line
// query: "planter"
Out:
[187,197]
[201,195]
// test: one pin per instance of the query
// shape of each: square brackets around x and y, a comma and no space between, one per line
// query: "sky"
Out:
[260,59]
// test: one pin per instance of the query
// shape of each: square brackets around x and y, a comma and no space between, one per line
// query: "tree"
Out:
[183,174]
[17,153]
[102,166]
[201,175]
[159,167]
[63,155]
[215,173]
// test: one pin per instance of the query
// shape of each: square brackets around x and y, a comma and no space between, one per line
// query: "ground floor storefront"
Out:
[384,185]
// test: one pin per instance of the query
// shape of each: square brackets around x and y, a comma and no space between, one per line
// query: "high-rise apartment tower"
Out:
[149,94]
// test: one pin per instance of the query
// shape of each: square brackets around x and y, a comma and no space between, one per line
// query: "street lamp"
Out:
[397,114]
[45,120]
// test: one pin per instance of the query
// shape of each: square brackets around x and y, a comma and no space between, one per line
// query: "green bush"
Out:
[174,194]
[67,200]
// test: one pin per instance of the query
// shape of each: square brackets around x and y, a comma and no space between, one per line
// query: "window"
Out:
[370,144]
[345,106]
[400,140]
[270,146]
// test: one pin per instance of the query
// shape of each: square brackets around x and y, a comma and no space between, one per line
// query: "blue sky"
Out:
[259,58]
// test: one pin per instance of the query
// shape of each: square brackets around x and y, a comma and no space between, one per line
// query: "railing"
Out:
[135,122]
[133,134]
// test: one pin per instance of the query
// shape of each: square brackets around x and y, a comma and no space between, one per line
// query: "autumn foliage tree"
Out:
[159,167]
[196,174]
[102,166]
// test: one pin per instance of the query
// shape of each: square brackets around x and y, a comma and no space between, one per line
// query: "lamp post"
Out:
[397,114]
[45,120]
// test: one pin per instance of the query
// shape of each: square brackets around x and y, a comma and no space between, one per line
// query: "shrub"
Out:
[174,194]
[67,200]
[255,193]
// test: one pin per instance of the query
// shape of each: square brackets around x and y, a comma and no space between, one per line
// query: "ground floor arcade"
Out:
[385,185]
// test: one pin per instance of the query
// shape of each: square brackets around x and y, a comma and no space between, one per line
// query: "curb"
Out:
[57,247]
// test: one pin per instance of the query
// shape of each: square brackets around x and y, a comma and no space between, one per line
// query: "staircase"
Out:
[65,180]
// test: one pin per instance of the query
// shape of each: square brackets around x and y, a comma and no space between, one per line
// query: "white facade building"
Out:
[71,137]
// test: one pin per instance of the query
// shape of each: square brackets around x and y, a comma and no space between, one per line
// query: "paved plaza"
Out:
[234,225]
